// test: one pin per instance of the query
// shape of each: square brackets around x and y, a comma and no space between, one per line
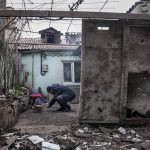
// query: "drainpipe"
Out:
[41,64]
[32,66]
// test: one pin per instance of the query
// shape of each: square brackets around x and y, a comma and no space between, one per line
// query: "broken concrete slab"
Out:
[133,149]
[122,130]
[136,140]
[35,139]
[10,110]
[50,146]
[9,142]
[145,146]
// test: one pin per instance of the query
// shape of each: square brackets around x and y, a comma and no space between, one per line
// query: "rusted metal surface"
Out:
[101,72]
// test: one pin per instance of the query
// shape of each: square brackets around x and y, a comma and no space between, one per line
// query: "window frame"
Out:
[72,72]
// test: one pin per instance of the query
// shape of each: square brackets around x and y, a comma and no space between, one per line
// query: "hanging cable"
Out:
[51,12]
[75,5]
[103,5]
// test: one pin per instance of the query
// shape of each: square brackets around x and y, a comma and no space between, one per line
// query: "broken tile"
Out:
[50,146]
[35,139]
[78,148]
[122,130]
[136,140]
[9,142]
[115,136]
[79,131]
[132,132]
[86,129]
[133,149]
[129,137]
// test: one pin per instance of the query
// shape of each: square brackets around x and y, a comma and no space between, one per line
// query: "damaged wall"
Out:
[10,110]
[138,98]
[115,81]
[101,72]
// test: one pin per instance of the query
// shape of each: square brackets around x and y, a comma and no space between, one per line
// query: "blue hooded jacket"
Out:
[57,90]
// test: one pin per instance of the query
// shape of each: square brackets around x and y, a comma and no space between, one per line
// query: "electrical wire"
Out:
[103,5]
[11,3]
[69,24]
[62,2]
[52,3]
[75,6]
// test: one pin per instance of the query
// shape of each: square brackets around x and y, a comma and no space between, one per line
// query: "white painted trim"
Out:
[67,61]
[72,72]
[71,83]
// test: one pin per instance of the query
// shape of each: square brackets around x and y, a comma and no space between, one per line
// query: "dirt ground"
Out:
[62,129]
[48,121]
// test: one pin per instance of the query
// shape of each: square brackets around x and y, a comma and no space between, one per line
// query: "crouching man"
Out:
[62,95]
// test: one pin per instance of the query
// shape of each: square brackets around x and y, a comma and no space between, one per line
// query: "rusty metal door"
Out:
[101,71]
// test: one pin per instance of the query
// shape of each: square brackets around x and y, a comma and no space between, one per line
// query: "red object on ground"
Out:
[36,95]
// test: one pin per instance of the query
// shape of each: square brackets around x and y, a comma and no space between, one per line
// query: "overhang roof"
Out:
[27,44]
[50,30]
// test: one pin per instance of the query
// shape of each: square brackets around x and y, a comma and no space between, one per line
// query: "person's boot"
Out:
[60,109]
[67,108]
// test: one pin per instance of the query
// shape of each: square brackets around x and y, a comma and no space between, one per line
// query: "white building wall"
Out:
[54,74]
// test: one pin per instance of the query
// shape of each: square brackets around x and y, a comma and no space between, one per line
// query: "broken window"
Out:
[51,38]
[138,95]
[67,72]
[72,71]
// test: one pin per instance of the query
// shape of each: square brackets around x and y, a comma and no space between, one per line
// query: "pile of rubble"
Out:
[80,138]
[10,106]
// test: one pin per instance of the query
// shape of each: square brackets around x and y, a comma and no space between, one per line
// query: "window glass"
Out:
[50,38]
[77,71]
[67,72]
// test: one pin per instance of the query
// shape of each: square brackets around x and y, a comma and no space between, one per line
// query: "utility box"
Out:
[45,68]
[115,84]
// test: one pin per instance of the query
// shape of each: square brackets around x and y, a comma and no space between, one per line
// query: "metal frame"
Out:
[73,14]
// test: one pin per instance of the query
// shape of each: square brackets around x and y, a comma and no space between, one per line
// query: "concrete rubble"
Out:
[79,137]
[10,107]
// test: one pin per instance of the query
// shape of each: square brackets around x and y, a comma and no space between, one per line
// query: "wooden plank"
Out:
[74,14]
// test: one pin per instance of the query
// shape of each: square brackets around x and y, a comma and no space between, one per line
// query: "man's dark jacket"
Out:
[57,90]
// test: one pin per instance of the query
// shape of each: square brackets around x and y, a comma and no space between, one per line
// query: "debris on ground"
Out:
[50,146]
[122,130]
[80,137]
[35,139]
